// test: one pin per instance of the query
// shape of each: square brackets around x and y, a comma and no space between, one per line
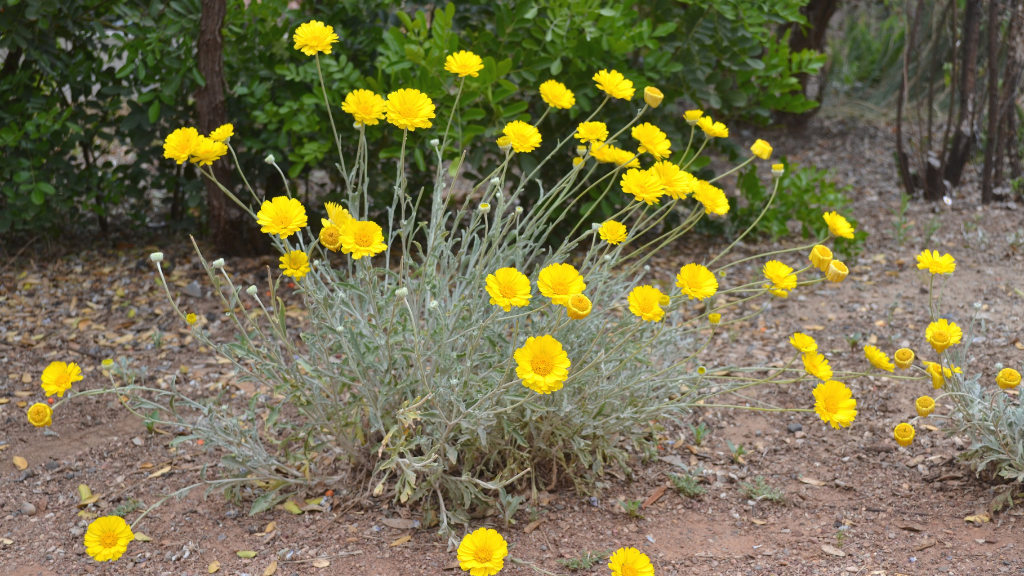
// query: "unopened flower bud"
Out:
[433,304]
[607,256]
[218,263]
[702,370]
[107,362]
[581,150]
[495,182]
[251,290]
[157,256]
[519,209]
[504,144]
[357,125]
[269,159]
[692,116]
[402,292]
[653,96]
[595,226]
[484,207]
[577,161]
[435,142]
[778,170]
[647,267]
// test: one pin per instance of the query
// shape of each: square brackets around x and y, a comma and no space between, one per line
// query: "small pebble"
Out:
[28,509]
[794,427]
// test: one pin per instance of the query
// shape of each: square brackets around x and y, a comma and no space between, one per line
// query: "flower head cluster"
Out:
[409,109]
[696,282]
[187,145]
[508,287]
[522,136]
[781,278]
[678,182]
[644,185]
[313,37]
[614,84]
[282,215]
[556,95]
[365,106]
[482,552]
[59,376]
[464,63]
[596,132]
[838,226]
[652,140]
[295,264]
[712,129]
[559,282]
[645,303]
[711,197]
[612,232]
[107,538]
[878,359]
[932,262]
[542,364]
[835,404]
[942,334]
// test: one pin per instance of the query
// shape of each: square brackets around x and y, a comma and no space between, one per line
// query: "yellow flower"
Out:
[365,106]
[711,197]
[903,357]
[482,552]
[939,373]
[653,97]
[630,562]
[409,109]
[644,303]
[362,238]
[464,63]
[696,281]
[714,318]
[820,257]
[836,271]
[206,151]
[295,264]
[780,275]
[837,225]
[761,149]
[522,136]
[59,376]
[282,216]
[835,404]
[107,538]
[678,182]
[712,129]
[592,132]
[942,334]
[179,144]
[191,318]
[578,307]
[40,415]
[610,154]
[556,95]
[508,287]
[612,232]
[878,359]
[330,235]
[223,133]
[542,364]
[337,215]
[504,143]
[817,366]
[644,185]
[803,342]
[559,282]
[614,84]
[692,116]
[925,406]
[932,262]
[1008,378]
[904,434]
[577,161]
[652,140]
[313,37]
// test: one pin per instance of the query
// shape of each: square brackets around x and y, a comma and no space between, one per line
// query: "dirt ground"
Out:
[854,502]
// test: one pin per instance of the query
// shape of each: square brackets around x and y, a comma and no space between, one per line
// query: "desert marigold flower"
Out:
[1008,378]
[508,287]
[59,376]
[939,374]
[924,405]
[696,281]
[835,404]
[803,343]
[653,97]
[711,197]
[522,136]
[820,257]
[610,154]
[464,63]
[578,307]
[330,235]
[337,215]
[714,318]
[904,434]
[836,271]
[612,232]
[482,552]
[409,109]
[780,275]
[206,151]
[778,170]
[107,538]
[313,37]
[645,303]
[542,364]
[295,264]
[761,149]
[191,318]
[591,132]
[678,182]
[942,334]
[40,415]
[282,215]
[577,161]
[903,357]
[652,140]
[932,262]
[837,225]
[630,562]
[692,116]
[644,185]
[817,366]
[362,238]
[556,95]
[712,129]
[222,133]
[178,145]
[614,84]
[365,106]
[504,143]
[559,282]
[878,359]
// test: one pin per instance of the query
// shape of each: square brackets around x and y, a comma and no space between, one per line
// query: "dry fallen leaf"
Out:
[6,541]
[811,481]
[292,507]
[533,525]
[271,570]
[658,493]
[214,566]
[401,541]
[398,523]
[270,528]
[4,401]
[246,554]
[814,327]
[832,550]
[758,522]
[321,563]
[22,393]
[911,527]
[20,462]
[84,491]
[90,500]
[142,537]
[930,428]
[160,472]
[926,543]
[977,518]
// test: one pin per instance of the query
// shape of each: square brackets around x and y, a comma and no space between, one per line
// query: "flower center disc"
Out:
[507,291]
[628,570]
[363,239]
[483,554]
[63,380]
[940,336]
[109,540]
[542,365]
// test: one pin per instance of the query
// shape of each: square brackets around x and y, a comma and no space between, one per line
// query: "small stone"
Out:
[78,549]
[76,531]
[222,537]
[69,475]
[28,509]
[192,289]
[800,434]
[52,465]
[794,427]
[892,535]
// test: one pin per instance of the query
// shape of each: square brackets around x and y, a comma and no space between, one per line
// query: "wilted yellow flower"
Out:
[714,318]
[653,97]
[522,136]
[409,109]
[365,106]
[904,434]
[696,281]
[712,129]
[903,357]
[282,215]
[508,287]
[107,538]
[932,262]
[692,116]
[942,334]
[556,95]
[939,373]
[542,364]
[295,264]
[761,149]
[362,238]
[835,404]
[59,376]
[191,318]
[612,232]
[313,37]
[838,226]
[559,282]
[464,63]
[817,366]
[836,271]
[614,84]
[178,145]
[644,302]
[578,307]
[591,132]
[206,151]
[330,235]
[222,133]
[630,562]
[482,552]
[878,359]
[780,275]
[803,342]
[644,185]
[1008,378]
[652,140]
[678,182]
[820,257]
[40,415]
[711,197]
[925,406]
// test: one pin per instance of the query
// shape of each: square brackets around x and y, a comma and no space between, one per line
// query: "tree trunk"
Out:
[963,138]
[1005,143]
[811,37]
[993,102]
